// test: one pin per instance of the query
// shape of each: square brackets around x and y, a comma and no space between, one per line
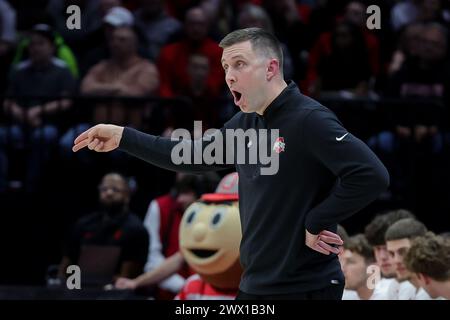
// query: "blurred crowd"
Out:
[169,49]
[156,65]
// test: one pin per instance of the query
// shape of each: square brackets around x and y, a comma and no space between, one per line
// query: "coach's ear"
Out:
[273,69]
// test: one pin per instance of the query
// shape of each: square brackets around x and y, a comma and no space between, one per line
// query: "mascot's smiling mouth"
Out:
[202,253]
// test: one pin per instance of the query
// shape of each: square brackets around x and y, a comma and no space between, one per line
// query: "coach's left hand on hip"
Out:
[322,242]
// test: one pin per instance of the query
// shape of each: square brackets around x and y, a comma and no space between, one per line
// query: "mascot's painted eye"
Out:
[191,216]
[217,219]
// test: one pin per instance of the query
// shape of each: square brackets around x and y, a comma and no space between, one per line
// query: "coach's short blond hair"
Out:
[261,40]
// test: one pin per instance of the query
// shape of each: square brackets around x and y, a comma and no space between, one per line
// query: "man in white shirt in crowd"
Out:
[357,258]
[386,287]
[398,241]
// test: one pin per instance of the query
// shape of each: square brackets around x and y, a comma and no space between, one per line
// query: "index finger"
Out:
[330,234]
[332,240]
[82,136]
[80,145]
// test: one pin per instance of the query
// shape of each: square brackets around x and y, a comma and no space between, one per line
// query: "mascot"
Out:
[210,234]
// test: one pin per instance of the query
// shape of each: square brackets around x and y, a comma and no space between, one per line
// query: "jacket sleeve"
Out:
[361,176]
[184,155]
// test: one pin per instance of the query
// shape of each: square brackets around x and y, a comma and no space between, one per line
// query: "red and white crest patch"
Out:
[279,145]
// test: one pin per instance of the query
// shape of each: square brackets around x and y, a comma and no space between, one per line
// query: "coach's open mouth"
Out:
[237,96]
[202,253]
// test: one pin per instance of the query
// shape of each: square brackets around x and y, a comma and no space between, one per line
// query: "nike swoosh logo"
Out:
[340,138]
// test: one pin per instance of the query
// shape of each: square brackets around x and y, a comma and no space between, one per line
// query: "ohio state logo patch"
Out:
[279,145]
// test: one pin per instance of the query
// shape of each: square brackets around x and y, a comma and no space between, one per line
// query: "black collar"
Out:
[281,99]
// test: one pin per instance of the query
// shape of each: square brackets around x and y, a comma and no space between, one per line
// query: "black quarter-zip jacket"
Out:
[325,175]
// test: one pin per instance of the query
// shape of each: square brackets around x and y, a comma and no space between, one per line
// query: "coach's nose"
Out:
[230,78]
[199,231]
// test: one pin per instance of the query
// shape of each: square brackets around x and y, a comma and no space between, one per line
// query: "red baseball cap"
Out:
[227,190]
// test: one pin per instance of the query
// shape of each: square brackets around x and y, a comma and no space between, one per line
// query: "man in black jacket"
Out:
[289,213]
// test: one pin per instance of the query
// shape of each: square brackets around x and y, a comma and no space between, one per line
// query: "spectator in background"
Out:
[323,18]
[205,103]
[124,74]
[357,257]
[415,130]
[408,47]
[162,221]
[100,40]
[61,51]
[289,29]
[90,18]
[177,76]
[35,120]
[342,67]
[355,13]
[424,73]
[398,241]
[174,58]
[156,25]
[429,258]
[374,232]
[252,15]
[113,233]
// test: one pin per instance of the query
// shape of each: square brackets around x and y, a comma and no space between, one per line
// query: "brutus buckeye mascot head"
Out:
[210,234]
